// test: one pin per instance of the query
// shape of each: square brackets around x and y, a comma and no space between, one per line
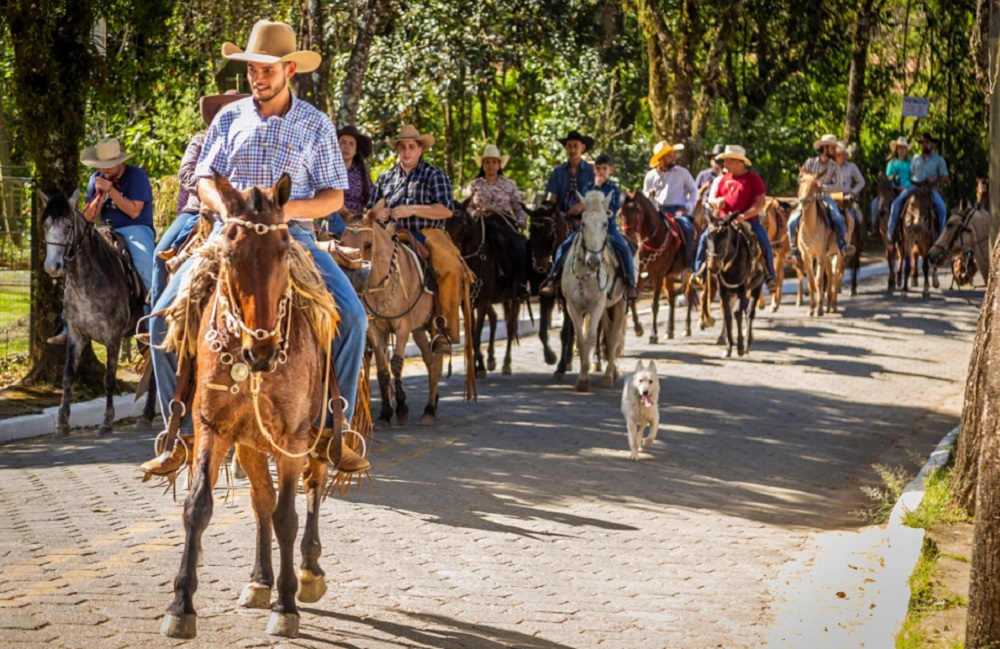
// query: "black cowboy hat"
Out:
[928,137]
[210,105]
[364,142]
[716,151]
[588,142]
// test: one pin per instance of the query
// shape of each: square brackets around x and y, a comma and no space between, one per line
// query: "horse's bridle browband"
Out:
[75,244]
[259,228]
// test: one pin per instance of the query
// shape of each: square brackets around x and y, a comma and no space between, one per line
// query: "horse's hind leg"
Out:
[110,383]
[74,349]
[312,579]
[510,313]
[434,363]
[491,361]
[284,620]
[257,592]
[149,410]
[545,307]
[181,620]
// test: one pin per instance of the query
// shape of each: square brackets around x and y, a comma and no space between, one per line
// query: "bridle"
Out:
[730,258]
[641,238]
[384,283]
[581,245]
[74,245]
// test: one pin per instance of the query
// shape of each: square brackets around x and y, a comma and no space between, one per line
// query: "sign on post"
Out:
[916,106]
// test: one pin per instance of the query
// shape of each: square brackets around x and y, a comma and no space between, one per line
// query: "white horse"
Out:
[968,230]
[592,290]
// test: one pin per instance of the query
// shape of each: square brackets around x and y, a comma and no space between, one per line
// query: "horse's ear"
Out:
[607,202]
[579,196]
[74,197]
[282,189]
[42,195]
[232,199]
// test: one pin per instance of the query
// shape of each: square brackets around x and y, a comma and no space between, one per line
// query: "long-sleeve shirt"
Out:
[901,170]
[828,173]
[186,177]
[425,184]
[850,179]
[608,188]
[930,168]
[357,182]
[500,195]
[675,186]
[564,185]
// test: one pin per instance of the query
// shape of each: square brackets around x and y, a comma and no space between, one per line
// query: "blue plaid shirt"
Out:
[565,186]
[424,185]
[250,150]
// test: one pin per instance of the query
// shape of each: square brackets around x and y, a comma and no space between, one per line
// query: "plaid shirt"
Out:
[827,172]
[253,150]
[424,185]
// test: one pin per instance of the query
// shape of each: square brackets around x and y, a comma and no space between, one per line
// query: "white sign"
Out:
[916,106]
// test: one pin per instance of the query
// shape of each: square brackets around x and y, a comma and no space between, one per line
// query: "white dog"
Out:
[640,407]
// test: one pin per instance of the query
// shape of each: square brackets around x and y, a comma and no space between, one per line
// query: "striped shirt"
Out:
[250,149]
[425,184]
[849,179]
[828,173]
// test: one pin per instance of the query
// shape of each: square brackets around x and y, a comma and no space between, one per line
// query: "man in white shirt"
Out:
[851,181]
[673,190]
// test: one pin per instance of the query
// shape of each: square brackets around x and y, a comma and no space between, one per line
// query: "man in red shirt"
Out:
[740,192]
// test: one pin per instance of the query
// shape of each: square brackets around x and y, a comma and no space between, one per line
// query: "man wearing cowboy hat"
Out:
[253,142]
[570,177]
[714,169]
[122,197]
[740,192]
[417,195]
[673,190]
[824,167]
[929,170]
[897,170]
[850,182]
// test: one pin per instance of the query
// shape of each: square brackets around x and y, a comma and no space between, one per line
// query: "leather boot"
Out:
[631,293]
[549,287]
[350,460]
[171,459]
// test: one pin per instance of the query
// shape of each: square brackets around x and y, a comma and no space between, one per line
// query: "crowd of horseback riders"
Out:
[333,209]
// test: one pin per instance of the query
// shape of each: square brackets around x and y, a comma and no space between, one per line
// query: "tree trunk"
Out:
[866,17]
[659,93]
[314,86]
[357,65]
[712,71]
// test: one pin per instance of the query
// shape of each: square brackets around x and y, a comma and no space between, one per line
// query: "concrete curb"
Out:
[87,413]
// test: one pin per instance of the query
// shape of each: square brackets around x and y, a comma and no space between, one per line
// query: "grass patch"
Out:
[883,497]
[937,507]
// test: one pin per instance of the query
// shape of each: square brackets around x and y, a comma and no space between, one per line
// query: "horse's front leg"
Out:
[779,278]
[477,344]
[257,592]
[545,307]
[384,379]
[396,365]
[741,309]
[435,364]
[614,332]
[74,350]
[750,317]
[284,620]
[727,321]
[491,361]
[672,304]
[654,338]
[181,620]
[584,337]
[110,384]
[312,579]
[510,313]
[927,270]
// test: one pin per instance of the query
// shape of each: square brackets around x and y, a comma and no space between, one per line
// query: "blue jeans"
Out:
[141,240]
[897,209]
[687,233]
[618,244]
[762,239]
[177,232]
[835,215]
[335,224]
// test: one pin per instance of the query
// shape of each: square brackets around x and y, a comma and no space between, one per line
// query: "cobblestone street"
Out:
[518,521]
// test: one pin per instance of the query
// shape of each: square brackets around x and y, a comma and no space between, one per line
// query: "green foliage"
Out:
[937,507]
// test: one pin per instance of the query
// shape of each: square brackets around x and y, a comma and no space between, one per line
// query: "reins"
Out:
[384,283]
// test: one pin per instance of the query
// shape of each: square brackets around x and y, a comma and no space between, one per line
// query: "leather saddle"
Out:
[132,279]
[413,242]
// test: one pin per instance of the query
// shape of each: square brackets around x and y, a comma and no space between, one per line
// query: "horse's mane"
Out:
[309,294]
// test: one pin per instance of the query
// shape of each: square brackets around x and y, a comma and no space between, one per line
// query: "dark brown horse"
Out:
[486,249]
[918,219]
[885,194]
[262,341]
[661,257]
[548,227]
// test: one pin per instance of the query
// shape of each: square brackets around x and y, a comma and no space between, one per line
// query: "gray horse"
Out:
[98,304]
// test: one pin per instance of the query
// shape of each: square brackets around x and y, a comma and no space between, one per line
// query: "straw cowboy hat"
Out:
[210,105]
[661,149]
[843,148]
[105,154]
[364,142]
[588,142]
[491,151]
[735,152]
[895,144]
[410,132]
[826,140]
[271,42]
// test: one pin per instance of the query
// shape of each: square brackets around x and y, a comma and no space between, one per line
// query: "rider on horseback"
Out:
[928,169]
[851,182]
[603,169]
[417,195]
[740,192]
[897,170]
[243,145]
[674,191]
[824,167]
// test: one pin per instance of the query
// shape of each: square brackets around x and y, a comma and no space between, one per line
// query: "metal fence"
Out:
[15,263]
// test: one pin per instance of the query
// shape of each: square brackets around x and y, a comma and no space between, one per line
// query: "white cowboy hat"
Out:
[735,151]
[105,154]
[826,140]
[661,149]
[271,42]
[900,141]
[843,148]
[410,132]
[491,151]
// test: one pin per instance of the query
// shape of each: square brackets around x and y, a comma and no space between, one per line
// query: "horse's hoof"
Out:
[550,357]
[403,418]
[480,374]
[491,364]
[143,424]
[311,587]
[728,353]
[654,340]
[61,430]
[255,596]
[237,470]
[583,385]
[105,430]
[774,308]
[608,381]
[854,292]
[182,627]
[507,371]
[384,424]
[935,281]
[427,419]
[639,332]
[741,352]
[558,376]
[285,625]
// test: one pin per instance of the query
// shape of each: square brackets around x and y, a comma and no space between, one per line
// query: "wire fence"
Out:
[15,263]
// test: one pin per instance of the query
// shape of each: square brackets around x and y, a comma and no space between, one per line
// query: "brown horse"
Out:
[661,257]
[398,304]
[262,363]
[884,196]
[918,236]
[821,259]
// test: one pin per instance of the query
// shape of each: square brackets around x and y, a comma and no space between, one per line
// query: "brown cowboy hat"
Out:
[271,42]
[588,142]
[410,132]
[364,142]
[105,154]
[210,105]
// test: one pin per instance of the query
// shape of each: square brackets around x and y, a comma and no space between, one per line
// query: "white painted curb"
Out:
[87,413]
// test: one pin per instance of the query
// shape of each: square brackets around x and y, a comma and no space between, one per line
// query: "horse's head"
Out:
[720,243]
[256,240]
[631,212]
[542,236]
[920,209]
[458,228]
[594,225]
[62,227]
[950,241]
[809,186]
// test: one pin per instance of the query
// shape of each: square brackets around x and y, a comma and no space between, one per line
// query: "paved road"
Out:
[517,521]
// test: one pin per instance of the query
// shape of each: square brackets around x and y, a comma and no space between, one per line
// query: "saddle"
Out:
[412,244]
[135,286]
[964,268]
[674,232]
